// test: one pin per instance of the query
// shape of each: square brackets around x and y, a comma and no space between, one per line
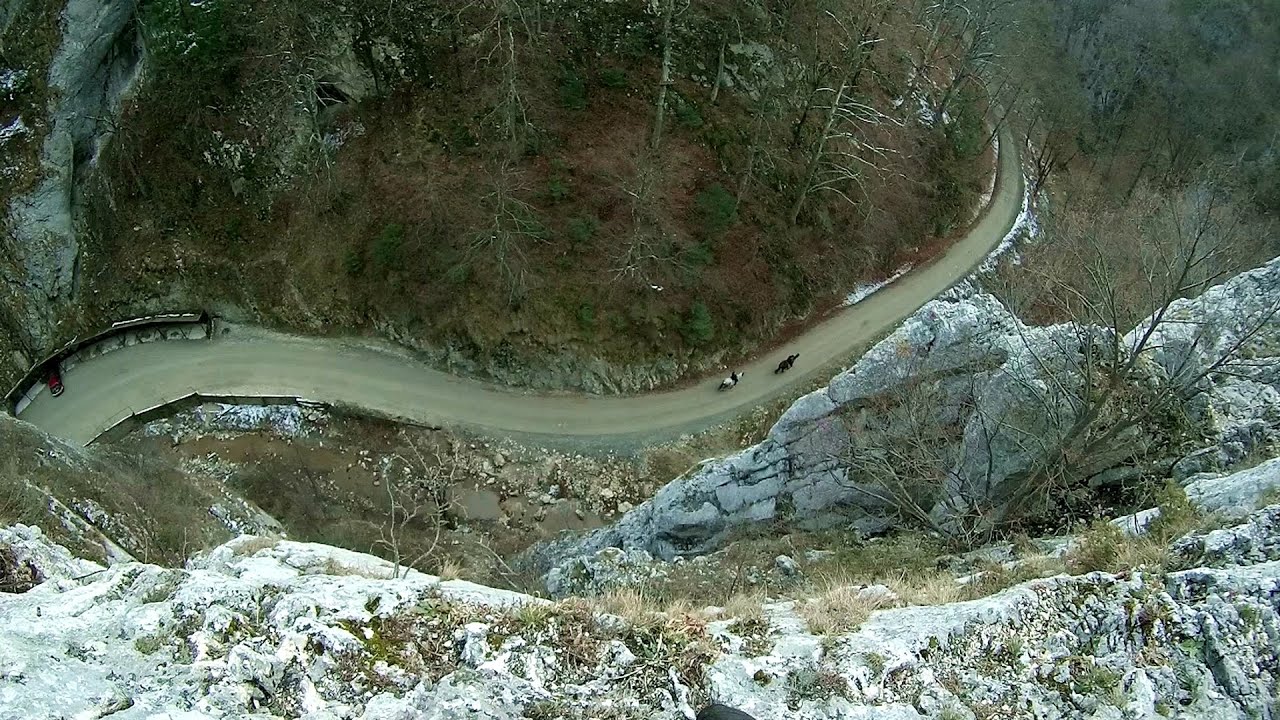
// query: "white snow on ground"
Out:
[866,290]
[925,111]
[911,83]
[1025,227]
[283,419]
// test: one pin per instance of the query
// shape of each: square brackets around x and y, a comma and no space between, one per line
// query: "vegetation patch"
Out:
[816,684]
[1105,547]
[17,576]
[143,504]
[479,205]
[421,642]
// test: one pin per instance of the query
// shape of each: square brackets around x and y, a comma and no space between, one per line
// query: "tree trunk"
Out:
[746,179]
[999,124]
[661,110]
[804,118]
[1142,169]
[956,83]
[715,87]
[812,169]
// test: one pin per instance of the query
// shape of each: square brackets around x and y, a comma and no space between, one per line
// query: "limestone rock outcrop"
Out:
[963,360]
[262,628]
[95,66]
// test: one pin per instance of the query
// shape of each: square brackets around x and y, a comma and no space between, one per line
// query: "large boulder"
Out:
[1235,495]
[1237,402]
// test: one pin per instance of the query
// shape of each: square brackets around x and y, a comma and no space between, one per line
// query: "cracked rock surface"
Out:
[264,628]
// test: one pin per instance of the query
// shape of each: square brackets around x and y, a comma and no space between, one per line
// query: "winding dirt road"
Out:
[248,361]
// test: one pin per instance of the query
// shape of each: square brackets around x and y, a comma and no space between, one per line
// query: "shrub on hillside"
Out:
[688,115]
[581,229]
[458,274]
[558,190]
[386,249]
[353,262]
[1097,549]
[699,256]
[587,316]
[716,209]
[613,78]
[698,329]
[573,91]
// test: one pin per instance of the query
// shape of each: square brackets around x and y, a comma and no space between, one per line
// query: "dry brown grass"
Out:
[251,545]
[627,603]
[831,603]
[936,588]
[839,606]
[996,577]
[1104,547]
[751,623]
[156,512]
[450,569]
[664,464]
[745,607]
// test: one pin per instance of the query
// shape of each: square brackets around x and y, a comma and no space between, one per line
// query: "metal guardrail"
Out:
[120,428]
[40,370]
[137,419]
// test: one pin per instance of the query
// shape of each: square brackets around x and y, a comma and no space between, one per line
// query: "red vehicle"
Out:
[55,383]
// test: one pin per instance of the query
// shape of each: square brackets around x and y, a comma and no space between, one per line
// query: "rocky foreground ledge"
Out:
[263,628]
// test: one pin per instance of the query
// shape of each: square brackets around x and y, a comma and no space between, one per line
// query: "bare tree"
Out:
[512,224]
[510,112]
[957,38]
[976,24]
[664,82]
[1050,144]
[1125,273]
[421,499]
[646,252]
[842,151]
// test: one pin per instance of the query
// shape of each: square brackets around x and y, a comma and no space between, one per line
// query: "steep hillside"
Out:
[110,504]
[492,182]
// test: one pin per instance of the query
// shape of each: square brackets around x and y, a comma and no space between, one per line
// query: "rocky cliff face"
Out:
[115,505]
[963,363]
[93,68]
[264,628]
